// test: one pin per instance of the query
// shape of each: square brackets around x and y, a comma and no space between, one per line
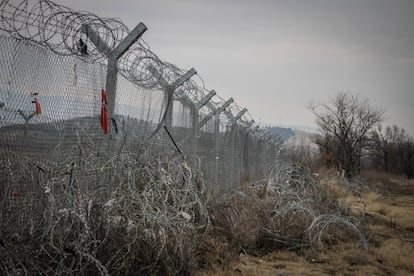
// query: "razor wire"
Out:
[104,201]
[284,210]
[82,67]
[63,31]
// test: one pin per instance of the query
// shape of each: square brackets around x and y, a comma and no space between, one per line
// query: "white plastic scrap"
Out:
[115,220]
[109,203]
[130,226]
[185,215]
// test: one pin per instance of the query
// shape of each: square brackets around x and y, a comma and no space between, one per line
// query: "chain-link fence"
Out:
[104,145]
[53,73]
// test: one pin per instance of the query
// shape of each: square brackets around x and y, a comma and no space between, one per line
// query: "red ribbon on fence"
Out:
[104,119]
[104,113]
[37,105]
[104,96]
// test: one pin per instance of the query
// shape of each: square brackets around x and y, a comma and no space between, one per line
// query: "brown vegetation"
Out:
[156,218]
[384,204]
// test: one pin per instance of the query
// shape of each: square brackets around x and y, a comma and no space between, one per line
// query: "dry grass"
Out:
[396,254]
[154,219]
[386,206]
[267,226]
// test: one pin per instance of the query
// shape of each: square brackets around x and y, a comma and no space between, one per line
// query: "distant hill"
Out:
[284,133]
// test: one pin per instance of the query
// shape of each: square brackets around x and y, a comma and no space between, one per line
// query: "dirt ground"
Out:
[386,207]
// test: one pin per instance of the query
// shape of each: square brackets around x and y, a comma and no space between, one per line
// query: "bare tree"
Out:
[392,150]
[346,121]
[384,146]
[326,145]
[406,152]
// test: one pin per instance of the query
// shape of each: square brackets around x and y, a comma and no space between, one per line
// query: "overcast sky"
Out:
[274,57]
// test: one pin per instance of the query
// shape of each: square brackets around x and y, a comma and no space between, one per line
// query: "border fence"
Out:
[114,162]
[62,61]
[108,153]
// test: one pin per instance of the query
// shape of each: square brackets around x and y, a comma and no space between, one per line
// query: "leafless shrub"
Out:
[238,216]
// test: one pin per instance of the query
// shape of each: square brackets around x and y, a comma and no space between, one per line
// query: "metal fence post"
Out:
[241,113]
[217,149]
[113,56]
[169,90]
[196,116]
[216,112]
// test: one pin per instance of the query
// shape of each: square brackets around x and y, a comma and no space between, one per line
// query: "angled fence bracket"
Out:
[241,113]
[214,112]
[169,90]
[184,78]
[206,99]
[249,124]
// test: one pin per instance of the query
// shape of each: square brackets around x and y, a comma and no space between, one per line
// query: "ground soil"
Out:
[385,205]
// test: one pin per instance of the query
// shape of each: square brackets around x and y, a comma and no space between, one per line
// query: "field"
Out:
[386,207]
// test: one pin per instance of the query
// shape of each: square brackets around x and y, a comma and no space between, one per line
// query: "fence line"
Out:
[106,153]
[63,59]
[103,145]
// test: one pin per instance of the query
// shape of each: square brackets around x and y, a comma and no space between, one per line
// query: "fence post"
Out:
[194,124]
[241,113]
[169,90]
[240,148]
[214,112]
[113,56]
[196,115]
[206,99]
[217,148]
[209,116]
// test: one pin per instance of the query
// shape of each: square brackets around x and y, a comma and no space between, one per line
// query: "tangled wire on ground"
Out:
[286,210]
[320,224]
[151,215]
[91,214]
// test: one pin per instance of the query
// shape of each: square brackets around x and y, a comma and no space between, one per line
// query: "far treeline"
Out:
[282,132]
[352,131]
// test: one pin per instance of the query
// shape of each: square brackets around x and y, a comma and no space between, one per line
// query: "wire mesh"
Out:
[47,56]
[58,165]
